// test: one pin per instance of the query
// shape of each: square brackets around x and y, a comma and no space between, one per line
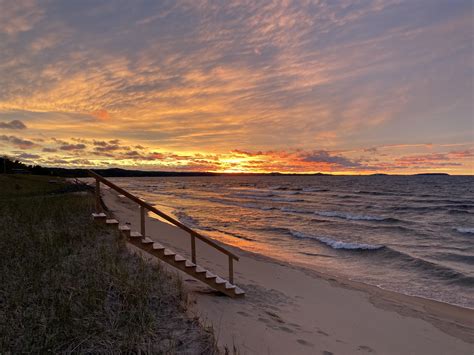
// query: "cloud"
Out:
[451,158]
[247,153]
[15,124]
[19,16]
[49,150]
[101,114]
[322,156]
[18,142]
[72,147]
[372,150]
[28,156]
[110,146]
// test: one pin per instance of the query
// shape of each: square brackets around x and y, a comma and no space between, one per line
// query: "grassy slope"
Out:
[69,285]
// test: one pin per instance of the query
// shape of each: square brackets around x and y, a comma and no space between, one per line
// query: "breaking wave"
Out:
[465,230]
[353,217]
[336,244]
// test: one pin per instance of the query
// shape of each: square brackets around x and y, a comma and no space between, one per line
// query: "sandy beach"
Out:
[289,309]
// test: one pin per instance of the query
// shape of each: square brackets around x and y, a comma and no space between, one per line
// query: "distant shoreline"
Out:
[21,168]
[144,173]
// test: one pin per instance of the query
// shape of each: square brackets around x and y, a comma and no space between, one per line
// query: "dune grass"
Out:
[69,285]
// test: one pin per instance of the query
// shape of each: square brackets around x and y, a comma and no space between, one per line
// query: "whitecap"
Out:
[336,244]
[349,216]
[465,230]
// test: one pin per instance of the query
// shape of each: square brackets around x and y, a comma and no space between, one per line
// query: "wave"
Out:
[292,192]
[268,197]
[239,236]
[283,188]
[190,221]
[455,211]
[460,258]
[295,210]
[354,217]
[403,260]
[313,189]
[417,208]
[254,196]
[279,199]
[441,272]
[316,254]
[193,223]
[296,190]
[462,203]
[267,208]
[336,244]
[465,230]
[378,193]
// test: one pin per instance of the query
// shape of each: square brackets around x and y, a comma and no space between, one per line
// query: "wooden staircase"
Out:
[141,241]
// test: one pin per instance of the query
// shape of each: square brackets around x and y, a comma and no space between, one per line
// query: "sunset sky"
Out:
[382,86]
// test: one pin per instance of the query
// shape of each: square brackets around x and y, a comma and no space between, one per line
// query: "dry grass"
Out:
[67,285]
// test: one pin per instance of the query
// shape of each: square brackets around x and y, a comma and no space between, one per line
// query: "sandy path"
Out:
[290,310]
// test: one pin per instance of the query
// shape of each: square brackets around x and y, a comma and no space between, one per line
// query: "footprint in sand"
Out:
[323,333]
[286,329]
[275,316]
[325,352]
[304,342]
[242,313]
[365,348]
[297,326]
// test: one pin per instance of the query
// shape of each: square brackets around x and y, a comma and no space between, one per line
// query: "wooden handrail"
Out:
[161,214]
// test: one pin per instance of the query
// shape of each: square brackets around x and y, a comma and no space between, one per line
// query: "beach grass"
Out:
[69,285]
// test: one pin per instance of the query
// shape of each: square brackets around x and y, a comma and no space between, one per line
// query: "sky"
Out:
[344,87]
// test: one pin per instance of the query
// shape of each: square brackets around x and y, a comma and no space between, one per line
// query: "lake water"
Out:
[410,234]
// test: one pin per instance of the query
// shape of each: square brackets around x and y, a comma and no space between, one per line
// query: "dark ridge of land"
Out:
[432,174]
[21,168]
[71,286]
[18,167]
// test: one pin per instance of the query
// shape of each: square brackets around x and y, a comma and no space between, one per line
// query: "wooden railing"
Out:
[147,207]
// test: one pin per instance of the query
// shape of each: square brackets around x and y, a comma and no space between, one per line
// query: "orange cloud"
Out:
[101,114]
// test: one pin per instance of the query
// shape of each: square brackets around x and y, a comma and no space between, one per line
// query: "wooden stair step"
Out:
[179,258]
[125,229]
[238,291]
[158,246]
[111,221]
[135,235]
[210,275]
[99,215]
[189,264]
[200,270]
[169,252]
[229,286]
[220,280]
[147,240]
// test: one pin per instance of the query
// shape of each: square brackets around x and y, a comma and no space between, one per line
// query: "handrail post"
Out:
[142,221]
[231,269]
[193,248]
[98,207]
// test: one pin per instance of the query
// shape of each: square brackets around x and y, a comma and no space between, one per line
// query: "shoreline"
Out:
[322,274]
[283,319]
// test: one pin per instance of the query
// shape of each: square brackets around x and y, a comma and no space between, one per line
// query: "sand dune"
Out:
[292,310]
